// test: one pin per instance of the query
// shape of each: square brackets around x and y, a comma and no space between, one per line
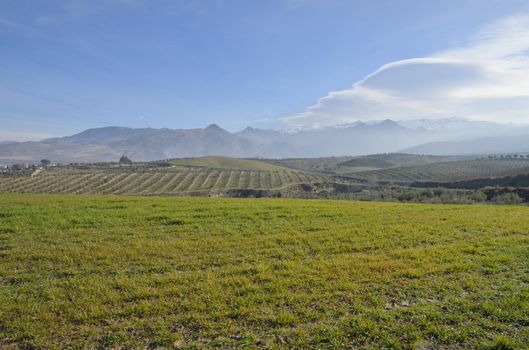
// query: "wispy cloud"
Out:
[12,26]
[487,79]
[256,121]
[4,22]
[75,9]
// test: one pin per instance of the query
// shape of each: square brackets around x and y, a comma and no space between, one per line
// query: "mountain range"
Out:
[449,136]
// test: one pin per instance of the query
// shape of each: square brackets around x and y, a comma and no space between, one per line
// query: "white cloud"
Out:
[488,79]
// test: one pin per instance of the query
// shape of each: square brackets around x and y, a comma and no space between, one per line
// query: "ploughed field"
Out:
[190,273]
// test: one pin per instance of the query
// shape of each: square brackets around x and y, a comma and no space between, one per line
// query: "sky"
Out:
[69,65]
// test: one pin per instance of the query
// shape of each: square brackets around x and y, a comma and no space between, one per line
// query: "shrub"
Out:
[507,198]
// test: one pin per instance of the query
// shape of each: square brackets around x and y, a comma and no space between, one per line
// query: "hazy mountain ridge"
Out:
[486,145]
[109,143]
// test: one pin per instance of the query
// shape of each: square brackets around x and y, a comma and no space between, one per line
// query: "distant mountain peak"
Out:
[388,124]
[247,129]
[360,125]
[374,125]
[214,127]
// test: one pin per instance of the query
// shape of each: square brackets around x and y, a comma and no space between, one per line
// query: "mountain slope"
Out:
[108,143]
[486,145]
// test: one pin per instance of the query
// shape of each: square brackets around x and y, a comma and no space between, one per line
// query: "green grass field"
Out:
[217,162]
[99,272]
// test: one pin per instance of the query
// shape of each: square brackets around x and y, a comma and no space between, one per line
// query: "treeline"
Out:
[440,195]
[506,156]
[507,181]
[509,196]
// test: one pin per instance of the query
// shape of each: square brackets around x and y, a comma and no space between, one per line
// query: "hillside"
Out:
[217,162]
[213,176]
[518,181]
[332,177]
[449,171]
[348,165]
[175,182]
[188,273]
[487,145]
[321,164]
[389,160]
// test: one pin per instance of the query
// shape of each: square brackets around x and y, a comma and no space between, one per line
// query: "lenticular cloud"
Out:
[488,79]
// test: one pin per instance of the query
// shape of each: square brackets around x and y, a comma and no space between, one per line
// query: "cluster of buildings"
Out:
[17,166]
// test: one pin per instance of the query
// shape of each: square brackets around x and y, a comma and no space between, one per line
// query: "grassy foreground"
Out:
[135,272]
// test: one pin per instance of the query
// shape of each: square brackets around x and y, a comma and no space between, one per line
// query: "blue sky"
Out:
[70,65]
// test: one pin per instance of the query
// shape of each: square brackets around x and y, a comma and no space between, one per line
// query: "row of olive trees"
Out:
[507,156]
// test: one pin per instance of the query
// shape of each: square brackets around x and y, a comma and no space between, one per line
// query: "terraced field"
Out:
[149,183]
[449,171]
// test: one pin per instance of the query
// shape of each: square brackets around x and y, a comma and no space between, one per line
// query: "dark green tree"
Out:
[125,160]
